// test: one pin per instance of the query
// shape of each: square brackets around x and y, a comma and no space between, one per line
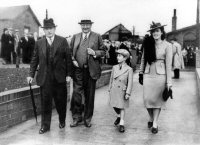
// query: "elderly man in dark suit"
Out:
[88,49]
[53,56]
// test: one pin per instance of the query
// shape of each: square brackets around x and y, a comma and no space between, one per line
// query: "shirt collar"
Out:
[83,35]
[52,38]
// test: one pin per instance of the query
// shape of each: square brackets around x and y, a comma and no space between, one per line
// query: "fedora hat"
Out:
[85,22]
[154,26]
[48,23]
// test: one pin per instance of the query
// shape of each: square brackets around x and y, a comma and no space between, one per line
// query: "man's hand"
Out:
[68,79]
[91,51]
[75,63]
[29,80]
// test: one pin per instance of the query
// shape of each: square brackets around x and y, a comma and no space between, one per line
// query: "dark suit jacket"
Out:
[62,60]
[95,43]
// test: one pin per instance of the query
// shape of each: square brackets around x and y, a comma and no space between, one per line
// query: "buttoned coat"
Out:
[163,62]
[95,43]
[62,62]
[178,62]
[121,83]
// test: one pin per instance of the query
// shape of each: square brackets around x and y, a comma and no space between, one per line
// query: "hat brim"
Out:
[85,23]
[156,28]
[49,26]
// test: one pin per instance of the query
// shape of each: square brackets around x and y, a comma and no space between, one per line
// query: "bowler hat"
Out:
[85,22]
[155,26]
[48,23]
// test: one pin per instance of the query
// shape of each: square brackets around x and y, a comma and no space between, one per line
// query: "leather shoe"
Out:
[43,130]
[75,123]
[61,125]
[121,128]
[150,124]
[88,124]
[117,121]
[154,130]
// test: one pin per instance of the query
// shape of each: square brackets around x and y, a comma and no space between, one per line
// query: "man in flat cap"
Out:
[88,49]
[53,56]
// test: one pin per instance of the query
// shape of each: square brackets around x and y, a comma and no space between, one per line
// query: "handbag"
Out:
[167,93]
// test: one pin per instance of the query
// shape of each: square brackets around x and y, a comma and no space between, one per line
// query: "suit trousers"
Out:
[49,91]
[83,87]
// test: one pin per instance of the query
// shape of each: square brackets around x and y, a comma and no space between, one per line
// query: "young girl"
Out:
[120,87]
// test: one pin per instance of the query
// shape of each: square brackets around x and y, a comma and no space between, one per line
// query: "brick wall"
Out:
[16,105]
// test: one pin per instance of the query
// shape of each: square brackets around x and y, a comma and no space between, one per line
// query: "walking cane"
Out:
[33,102]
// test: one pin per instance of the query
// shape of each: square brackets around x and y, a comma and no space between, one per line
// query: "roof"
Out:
[10,13]
[121,27]
[182,29]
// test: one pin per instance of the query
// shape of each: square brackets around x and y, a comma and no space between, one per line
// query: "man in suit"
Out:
[53,56]
[88,49]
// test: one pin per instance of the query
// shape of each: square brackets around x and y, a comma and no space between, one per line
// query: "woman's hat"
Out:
[85,22]
[154,26]
[123,52]
[48,23]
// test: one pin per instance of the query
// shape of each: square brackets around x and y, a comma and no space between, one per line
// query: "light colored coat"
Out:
[178,62]
[163,62]
[121,83]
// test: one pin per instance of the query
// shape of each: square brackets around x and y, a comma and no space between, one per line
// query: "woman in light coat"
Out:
[178,62]
[155,72]
[120,87]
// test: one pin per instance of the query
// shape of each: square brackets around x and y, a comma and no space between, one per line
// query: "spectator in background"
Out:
[17,50]
[112,54]
[178,62]
[11,40]
[184,53]
[26,45]
[4,44]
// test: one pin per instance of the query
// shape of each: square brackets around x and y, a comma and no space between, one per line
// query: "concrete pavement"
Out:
[179,122]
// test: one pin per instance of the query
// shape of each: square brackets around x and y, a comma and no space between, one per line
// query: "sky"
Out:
[108,13]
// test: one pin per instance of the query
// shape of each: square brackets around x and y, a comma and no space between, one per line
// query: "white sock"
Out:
[121,122]
[118,115]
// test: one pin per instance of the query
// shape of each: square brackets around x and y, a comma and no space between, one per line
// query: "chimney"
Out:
[133,30]
[174,21]
[198,5]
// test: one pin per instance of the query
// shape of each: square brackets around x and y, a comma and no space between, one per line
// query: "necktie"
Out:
[85,38]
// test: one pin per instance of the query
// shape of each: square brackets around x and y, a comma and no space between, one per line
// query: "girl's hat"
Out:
[123,52]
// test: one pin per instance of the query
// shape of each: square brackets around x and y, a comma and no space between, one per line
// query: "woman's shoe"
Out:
[150,124]
[154,130]
[117,121]
[121,128]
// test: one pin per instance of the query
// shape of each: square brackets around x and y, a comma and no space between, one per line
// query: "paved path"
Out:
[179,122]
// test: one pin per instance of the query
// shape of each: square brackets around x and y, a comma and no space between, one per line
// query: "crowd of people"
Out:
[189,55]
[135,49]
[16,49]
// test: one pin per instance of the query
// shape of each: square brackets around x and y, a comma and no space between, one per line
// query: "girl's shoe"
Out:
[154,130]
[150,124]
[121,128]
[117,121]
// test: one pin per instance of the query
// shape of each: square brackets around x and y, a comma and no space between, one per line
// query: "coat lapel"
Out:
[119,72]
[77,43]
[91,39]
[55,44]
[43,46]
